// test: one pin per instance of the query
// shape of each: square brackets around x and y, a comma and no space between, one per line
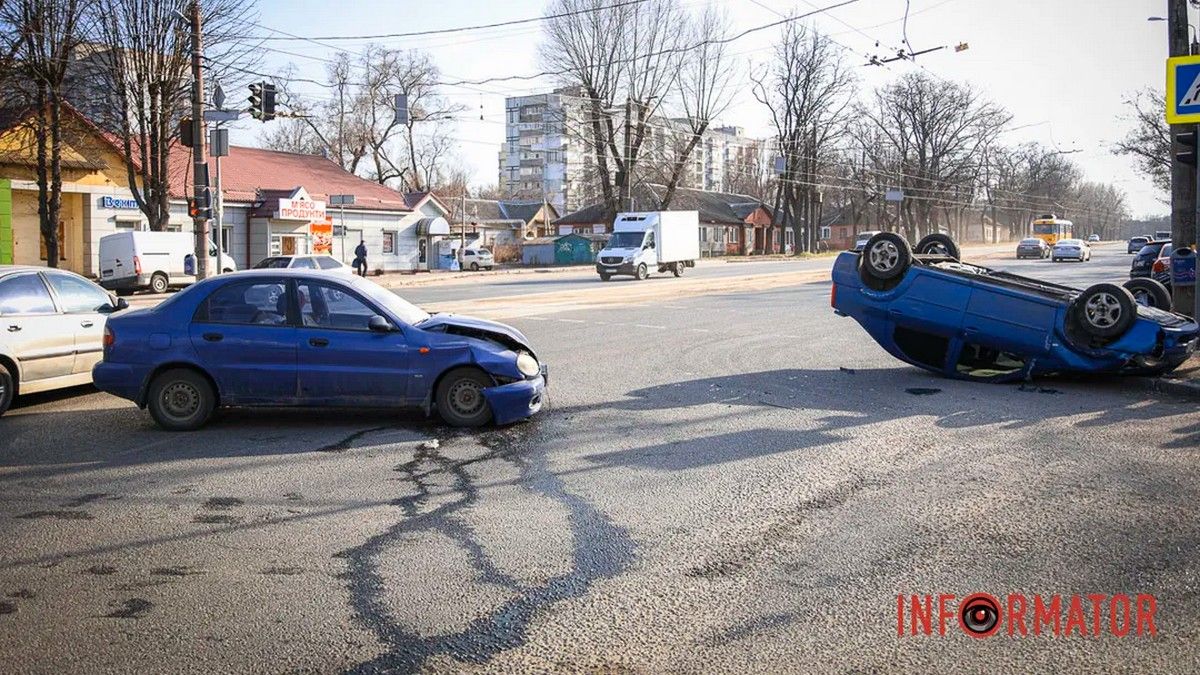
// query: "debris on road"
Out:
[923,391]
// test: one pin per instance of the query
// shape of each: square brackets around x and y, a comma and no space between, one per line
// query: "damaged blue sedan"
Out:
[303,338]
[927,308]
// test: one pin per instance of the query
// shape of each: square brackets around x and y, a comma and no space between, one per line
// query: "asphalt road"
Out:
[731,482]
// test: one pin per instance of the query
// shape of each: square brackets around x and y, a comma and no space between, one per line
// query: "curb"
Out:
[1171,386]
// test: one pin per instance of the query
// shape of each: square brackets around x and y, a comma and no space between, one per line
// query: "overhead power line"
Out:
[461,29]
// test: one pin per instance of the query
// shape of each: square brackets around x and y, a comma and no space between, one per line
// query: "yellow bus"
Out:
[1050,229]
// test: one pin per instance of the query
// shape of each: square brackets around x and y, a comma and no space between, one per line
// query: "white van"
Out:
[131,261]
[658,240]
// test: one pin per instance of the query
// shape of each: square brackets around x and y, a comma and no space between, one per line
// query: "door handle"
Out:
[213,337]
[86,324]
[318,342]
[14,328]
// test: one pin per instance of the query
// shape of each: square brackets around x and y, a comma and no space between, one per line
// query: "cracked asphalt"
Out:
[721,483]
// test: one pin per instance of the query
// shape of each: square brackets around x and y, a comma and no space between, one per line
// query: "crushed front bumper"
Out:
[517,400]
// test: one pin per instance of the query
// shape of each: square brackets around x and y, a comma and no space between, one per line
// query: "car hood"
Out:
[469,326]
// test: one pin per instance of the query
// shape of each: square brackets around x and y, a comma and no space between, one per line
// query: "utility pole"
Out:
[199,162]
[1183,176]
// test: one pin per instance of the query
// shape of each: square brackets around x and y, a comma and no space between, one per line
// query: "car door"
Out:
[243,336]
[33,329]
[85,308]
[339,359]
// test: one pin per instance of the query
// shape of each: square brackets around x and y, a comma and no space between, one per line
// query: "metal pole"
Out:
[1184,183]
[219,214]
[199,163]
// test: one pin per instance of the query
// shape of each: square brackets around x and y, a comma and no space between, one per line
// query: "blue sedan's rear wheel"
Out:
[460,400]
[181,400]
[1104,310]
[938,244]
[886,255]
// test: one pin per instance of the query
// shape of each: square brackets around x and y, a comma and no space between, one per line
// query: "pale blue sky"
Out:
[1061,66]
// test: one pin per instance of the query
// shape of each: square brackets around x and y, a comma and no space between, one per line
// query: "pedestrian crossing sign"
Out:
[1183,89]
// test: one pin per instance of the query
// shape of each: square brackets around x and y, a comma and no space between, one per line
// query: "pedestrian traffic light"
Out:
[1185,153]
[199,209]
[262,101]
[185,132]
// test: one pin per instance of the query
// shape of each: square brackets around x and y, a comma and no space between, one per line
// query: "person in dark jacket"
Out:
[360,258]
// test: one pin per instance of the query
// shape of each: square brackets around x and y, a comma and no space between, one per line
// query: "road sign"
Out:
[893,195]
[1183,89]
[222,115]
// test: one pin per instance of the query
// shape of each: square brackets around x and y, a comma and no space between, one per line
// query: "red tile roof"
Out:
[246,170]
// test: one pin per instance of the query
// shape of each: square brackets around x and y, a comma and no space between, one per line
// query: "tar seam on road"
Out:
[600,550]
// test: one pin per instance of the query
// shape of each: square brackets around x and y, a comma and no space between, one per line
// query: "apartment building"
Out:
[543,152]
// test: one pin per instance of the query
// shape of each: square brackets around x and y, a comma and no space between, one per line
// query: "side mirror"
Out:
[121,304]
[378,324]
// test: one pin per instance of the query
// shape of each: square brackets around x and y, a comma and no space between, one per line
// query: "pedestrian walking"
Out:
[360,258]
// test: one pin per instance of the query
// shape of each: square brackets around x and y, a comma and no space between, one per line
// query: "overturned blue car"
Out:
[927,308]
[306,338]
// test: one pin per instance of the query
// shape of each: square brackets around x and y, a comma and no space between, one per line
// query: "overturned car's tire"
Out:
[1104,310]
[1149,292]
[937,244]
[886,255]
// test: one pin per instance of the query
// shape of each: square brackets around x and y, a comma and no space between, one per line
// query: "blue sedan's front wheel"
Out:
[181,399]
[460,400]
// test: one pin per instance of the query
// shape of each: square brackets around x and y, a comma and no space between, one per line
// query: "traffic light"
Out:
[1185,153]
[262,101]
[200,209]
[185,132]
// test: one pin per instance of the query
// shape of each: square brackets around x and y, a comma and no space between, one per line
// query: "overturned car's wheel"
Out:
[1149,292]
[937,244]
[886,255]
[460,400]
[1104,310]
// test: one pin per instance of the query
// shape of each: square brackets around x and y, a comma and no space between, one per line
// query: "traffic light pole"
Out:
[1184,183]
[199,162]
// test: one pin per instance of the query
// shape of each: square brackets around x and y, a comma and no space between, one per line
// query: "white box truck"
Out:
[667,241]
[131,261]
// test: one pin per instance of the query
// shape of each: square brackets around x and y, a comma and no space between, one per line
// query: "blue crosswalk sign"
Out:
[1183,89]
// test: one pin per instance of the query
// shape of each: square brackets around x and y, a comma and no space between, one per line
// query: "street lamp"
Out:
[1195,42]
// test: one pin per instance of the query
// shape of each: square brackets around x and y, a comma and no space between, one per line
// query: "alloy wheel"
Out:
[884,256]
[1103,310]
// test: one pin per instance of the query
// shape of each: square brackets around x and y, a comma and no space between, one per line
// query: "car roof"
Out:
[11,269]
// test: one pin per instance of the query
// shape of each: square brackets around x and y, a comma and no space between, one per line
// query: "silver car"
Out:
[1071,249]
[1032,247]
[51,329]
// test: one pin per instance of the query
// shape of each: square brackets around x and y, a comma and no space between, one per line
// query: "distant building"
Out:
[543,153]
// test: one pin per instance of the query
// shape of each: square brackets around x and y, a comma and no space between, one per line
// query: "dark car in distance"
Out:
[1033,247]
[1153,261]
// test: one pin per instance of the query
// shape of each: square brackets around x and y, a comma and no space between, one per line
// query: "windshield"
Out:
[1069,242]
[403,309]
[272,263]
[1031,242]
[484,251]
[1045,228]
[1150,250]
[626,240]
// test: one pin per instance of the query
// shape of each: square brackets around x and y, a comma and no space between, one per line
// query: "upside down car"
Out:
[281,337]
[927,308]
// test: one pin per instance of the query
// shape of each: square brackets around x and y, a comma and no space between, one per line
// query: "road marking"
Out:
[700,330]
[643,325]
[571,320]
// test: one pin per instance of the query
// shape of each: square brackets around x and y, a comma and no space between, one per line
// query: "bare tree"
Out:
[40,37]
[626,59]
[1149,141]
[144,54]
[933,133]
[704,86]
[808,89]
[359,127]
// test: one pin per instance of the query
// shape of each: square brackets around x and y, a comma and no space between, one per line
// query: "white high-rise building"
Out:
[543,153]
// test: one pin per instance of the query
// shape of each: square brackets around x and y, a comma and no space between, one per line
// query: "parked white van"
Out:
[131,261]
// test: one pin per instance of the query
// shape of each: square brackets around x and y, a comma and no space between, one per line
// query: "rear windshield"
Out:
[1152,249]
[1033,242]
[272,263]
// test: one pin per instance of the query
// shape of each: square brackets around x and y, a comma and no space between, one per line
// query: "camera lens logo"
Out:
[979,615]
